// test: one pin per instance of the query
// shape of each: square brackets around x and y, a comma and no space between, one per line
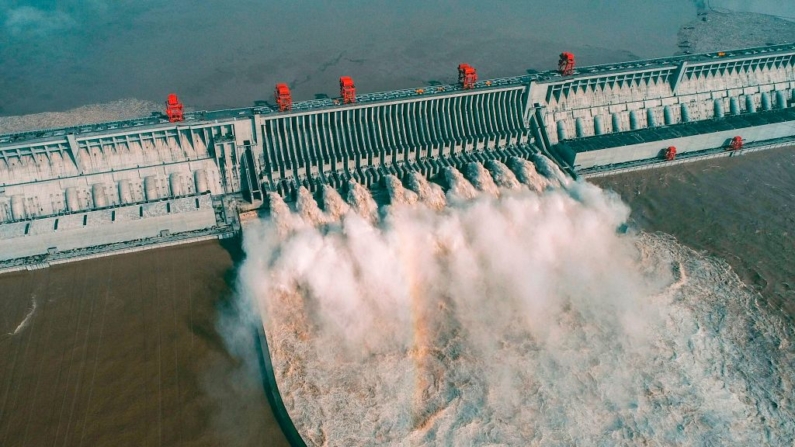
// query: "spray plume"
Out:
[429,193]
[502,176]
[524,319]
[460,188]
[333,204]
[308,209]
[527,174]
[398,195]
[481,179]
[362,201]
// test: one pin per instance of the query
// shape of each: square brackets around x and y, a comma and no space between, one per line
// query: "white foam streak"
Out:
[24,323]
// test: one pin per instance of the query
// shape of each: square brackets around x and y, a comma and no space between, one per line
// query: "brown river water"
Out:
[741,209]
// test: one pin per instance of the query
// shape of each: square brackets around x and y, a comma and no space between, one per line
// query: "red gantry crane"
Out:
[284,99]
[467,76]
[566,64]
[670,153]
[736,143]
[347,90]
[174,109]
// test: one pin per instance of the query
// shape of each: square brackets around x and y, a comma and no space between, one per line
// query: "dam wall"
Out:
[664,92]
[366,141]
[596,118]
[76,173]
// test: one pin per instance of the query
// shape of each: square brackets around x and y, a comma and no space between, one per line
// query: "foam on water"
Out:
[520,320]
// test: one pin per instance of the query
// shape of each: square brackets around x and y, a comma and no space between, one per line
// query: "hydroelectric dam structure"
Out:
[168,178]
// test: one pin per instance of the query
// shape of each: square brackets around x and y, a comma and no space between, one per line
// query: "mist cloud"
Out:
[511,318]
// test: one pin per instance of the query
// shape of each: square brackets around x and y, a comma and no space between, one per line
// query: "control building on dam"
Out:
[161,178]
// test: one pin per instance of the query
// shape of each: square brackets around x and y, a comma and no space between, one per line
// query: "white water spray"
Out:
[308,209]
[460,188]
[527,174]
[362,201]
[481,179]
[520,320]
[550,170]
[333,204]
[502,176]
[398,195]
[429,193]
[284,221]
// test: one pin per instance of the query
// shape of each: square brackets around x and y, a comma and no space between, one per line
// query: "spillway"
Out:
[134,183]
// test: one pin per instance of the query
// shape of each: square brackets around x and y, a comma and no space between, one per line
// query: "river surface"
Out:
[61,55]
[741,209]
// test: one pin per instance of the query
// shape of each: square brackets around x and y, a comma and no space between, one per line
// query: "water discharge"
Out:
[481,179]
[522,319]
[430,194]
[526,173]
[362,201]
[333,204]
[460,188]
[502,176]
[398,195]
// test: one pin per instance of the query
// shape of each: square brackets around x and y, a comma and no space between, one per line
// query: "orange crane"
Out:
[467,76]
[284,99]
[347,90]
[174,109]
[566,64]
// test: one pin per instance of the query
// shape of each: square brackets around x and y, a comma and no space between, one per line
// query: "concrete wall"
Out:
[78,173]
[611,101]
[357,138]
[643,151]
[93,228]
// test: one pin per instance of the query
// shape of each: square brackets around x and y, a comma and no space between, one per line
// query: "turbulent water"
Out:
[521,317]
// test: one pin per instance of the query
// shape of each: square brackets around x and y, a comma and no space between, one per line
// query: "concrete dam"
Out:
[87,190]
